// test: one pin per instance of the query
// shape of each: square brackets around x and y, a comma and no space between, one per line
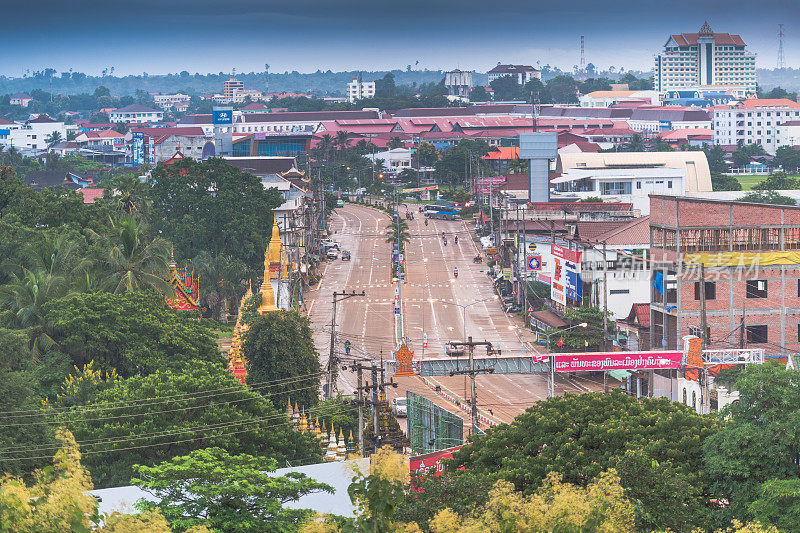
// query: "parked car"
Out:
[332,254]
[346,255]
[339,203]
[399,407]
[452,350]
[513,309]
[329,243]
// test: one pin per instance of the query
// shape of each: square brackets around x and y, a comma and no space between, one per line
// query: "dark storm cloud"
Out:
[202,35]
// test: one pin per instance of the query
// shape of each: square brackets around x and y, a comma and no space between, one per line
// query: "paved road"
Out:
[450,308]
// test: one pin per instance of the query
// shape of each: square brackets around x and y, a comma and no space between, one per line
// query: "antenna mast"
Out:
[582,70]
[781,57]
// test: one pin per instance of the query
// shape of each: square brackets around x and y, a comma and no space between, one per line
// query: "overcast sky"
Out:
[158,36]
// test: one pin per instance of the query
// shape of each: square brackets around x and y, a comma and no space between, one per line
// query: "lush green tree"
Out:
[767,197]
[581,436]
[779,92]
[427,154]
[146,419]
[409,176]
[579,339]
[595,84]
[222,281]
[777,181]
[663,496]
[398,233]
[461,492]
[779,504]
[506,88]
[479,94]
[636,84]
[724,182]
[53,139]
[758,442]
[213,206]
[385,87]
[563,90]
[280,346]
[226,492]
[716,159]
[396,142]
[745,153]
[788,158]
[132,333]
[635,144]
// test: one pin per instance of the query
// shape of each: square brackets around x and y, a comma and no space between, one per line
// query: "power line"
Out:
[136,447]
[318,411]
[130,415]
[161,399]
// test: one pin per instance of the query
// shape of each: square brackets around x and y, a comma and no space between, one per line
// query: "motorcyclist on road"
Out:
[443,236]
[445,241]
[456,239]
[455,272]
[426,221]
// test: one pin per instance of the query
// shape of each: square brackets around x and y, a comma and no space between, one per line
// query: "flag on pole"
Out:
[560,341]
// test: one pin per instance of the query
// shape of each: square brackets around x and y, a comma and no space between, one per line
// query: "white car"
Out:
[399,407]
[328,243]
[332,254]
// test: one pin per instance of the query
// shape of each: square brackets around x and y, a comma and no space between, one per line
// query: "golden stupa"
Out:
[272,263]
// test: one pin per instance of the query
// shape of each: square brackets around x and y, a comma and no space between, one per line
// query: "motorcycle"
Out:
[455,273]
[477,259]
[456,239]
[445,241]
[426,221]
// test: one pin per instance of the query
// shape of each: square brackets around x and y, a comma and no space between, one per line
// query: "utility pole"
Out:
[332,368]
[375,426]
[360,392]
[703,316]
[472,371]
[375,402]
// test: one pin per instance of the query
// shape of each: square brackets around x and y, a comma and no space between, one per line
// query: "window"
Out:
[756,288]
[694,400]
[639,186]
[711,290]
[756,334]
[684,397]
[619,291]
[669,184]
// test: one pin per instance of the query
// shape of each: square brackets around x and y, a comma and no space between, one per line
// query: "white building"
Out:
[167,101]
[704,58]
[395,159]
[136,114]
[756,121]
[609,98]
[630,177]
[661,119]
[358,90]
[522,73]
[458,82]
[31,135]
[788,133]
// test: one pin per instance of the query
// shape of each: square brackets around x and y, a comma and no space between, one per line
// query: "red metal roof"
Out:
[91,195]
[690,39]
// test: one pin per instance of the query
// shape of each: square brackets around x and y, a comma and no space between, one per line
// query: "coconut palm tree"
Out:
[221,277]
[53,139]
[342,140]
[635,144]
[126,261]
[398,232]
[325,146]
[24,296]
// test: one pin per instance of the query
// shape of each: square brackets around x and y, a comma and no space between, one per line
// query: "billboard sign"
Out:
[507,273]
[577,362]
[431,463]
[490,183]
[534,262]
[566,279]
[222,115]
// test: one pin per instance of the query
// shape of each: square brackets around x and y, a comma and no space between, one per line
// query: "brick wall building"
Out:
[751,258]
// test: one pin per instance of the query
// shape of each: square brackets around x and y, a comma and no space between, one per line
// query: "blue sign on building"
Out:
[222,116]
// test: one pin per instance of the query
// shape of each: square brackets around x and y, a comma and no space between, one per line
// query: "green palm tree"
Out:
[221,277]
[53,139]
[126,261]
[635,144]
[342,140]
[24,296]
[398,233]
[325,146]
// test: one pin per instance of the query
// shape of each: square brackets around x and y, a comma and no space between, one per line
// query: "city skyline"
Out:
[310,35]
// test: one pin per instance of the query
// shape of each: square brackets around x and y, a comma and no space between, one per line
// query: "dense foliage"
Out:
[279,346]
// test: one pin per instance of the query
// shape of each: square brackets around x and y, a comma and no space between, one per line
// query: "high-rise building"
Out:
[358,90]
[231,87]
[704,58]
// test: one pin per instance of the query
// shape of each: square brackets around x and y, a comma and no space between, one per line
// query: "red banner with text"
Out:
[576,362]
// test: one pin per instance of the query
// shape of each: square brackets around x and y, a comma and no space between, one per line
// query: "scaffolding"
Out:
[430,427]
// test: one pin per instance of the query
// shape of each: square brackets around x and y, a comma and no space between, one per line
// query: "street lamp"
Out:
[464,310]
[552,376]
